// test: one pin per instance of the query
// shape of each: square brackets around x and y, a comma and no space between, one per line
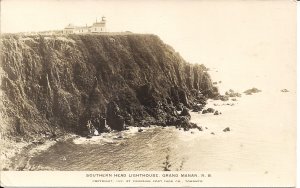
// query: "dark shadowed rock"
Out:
[216,112]
[197,108]
[193,125]
[251,91]
[183,97]
[232,93]
[223,97]
[65,81]
[284,90]
[226,129]
[200,128]
[210,110]
[185,112]
[147,95]
[114,119]
[183,121]
[128,119]
[171,120]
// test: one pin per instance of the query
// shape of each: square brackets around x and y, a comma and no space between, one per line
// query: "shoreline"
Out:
[22,152]
[18,158]
[16,155]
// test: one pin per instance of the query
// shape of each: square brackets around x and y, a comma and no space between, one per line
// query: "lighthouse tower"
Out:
[99,27]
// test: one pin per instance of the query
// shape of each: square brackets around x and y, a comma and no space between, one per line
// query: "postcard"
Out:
[163,93]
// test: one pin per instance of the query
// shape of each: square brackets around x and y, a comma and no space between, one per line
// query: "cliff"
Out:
[55,83]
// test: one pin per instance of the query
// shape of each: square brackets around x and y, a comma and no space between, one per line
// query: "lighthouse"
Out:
[99,27]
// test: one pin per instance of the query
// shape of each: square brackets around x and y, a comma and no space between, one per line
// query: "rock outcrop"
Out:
[227,129]
[251,91]
[208,110]
[55,83]
[232,93]
[284,90]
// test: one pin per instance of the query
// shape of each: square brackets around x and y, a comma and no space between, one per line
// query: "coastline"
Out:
[16,155]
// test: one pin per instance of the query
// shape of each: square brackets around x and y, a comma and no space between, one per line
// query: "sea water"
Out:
[261,141]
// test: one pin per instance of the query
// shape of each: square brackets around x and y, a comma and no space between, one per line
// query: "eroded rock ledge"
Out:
[54,83]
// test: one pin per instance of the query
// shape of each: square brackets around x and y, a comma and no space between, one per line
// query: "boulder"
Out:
[193,125]
[210,110]
[185,112]
[183,121]
[226,129]
[171,120]
[284,90]
[251,91]
[129,120]
[200,128]
[197,108]
[216,112]
[201,99]
[232,93]
[223,98]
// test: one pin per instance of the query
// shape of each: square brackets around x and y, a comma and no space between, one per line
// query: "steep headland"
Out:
[54,84]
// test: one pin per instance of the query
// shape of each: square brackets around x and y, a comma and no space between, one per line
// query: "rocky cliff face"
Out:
[51,83]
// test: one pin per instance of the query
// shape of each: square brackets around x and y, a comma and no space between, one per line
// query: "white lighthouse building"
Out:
[97,27]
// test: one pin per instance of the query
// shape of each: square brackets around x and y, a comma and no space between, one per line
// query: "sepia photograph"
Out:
[148,93]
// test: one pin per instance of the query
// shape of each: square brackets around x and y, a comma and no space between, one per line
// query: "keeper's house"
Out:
[97,27]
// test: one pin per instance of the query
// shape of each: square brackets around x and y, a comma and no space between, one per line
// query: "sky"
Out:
[249,43]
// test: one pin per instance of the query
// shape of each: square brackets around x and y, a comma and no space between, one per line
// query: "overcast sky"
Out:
[249,42]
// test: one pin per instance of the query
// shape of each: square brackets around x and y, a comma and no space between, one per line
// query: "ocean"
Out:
[261,141]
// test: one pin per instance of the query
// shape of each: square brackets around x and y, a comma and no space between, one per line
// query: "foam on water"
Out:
[111,137]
